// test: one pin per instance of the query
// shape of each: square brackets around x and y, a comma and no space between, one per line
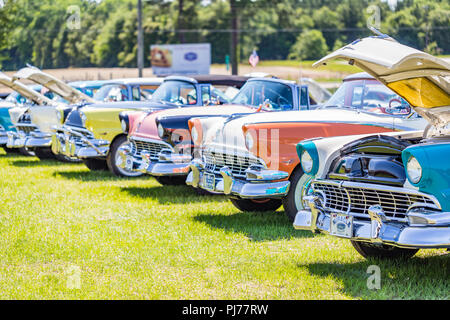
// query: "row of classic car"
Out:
[386,191]
[362,165]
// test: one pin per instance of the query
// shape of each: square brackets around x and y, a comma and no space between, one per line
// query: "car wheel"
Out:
[44,153]
[113,158]
[11,150]
[202,192]
[171,181]
[248,205]
[96,164]
[67,159]
[293,202]
[26,152]
[369,250]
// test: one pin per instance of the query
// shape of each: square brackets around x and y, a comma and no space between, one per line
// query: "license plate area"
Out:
[341,225]
[208,181]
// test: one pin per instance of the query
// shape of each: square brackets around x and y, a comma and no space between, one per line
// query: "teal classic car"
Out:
[388,193]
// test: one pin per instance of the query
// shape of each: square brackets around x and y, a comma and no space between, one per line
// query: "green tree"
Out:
[328,22]
[310,45]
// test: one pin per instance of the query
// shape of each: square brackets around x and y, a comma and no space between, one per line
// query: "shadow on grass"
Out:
[87,176]
[258,226]
[171,194]
[34,162]
[416,278]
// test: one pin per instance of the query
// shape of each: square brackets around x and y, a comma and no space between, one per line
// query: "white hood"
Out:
[232,129]
[53,84]
[23,90]
[206,110]
[420,78]
[316,91]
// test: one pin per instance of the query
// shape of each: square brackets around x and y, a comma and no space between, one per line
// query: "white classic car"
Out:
[27,96]
[253,158]
[387,193]
[35,123]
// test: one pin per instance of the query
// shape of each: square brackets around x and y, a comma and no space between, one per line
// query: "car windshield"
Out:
[370,96]
[175,91]
[15,97]
[272,95]
[111,93]
[90,91]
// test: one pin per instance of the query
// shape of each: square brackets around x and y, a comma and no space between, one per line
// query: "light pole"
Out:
[140,41]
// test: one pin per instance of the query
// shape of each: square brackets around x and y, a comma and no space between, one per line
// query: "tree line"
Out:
[103,33]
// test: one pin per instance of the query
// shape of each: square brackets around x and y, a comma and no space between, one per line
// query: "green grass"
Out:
[134,239]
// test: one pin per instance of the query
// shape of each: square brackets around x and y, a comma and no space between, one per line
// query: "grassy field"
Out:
[68,233]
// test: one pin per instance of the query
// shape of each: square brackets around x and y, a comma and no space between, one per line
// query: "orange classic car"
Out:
[253,158]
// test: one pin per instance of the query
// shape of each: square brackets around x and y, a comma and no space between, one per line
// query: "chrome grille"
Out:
[214,161]
[74,137]
[154,148]
[26,129]
[358,200]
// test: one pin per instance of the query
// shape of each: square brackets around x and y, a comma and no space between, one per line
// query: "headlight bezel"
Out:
[161,131]
[311,148]
[83,118]
[58,115]
[414,173]
[249,140]
[124,126]
[194,134]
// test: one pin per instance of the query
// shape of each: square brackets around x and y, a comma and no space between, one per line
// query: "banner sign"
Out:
[187,59]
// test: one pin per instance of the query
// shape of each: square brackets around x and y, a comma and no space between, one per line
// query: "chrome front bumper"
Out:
[34,139]
[424,229]
[166,164]
[75,144]
[259,183]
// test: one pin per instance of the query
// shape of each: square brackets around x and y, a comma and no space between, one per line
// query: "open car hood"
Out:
[53,84]
[316,91]
[25,91]
[418,77]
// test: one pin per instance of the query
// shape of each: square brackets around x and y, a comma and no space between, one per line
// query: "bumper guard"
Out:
[424,229]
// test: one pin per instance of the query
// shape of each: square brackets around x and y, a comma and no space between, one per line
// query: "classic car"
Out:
[128,89]
[387,193]
[161,145]
[89,87]
[21,97]
[253,159]
[34,124]
[94,133]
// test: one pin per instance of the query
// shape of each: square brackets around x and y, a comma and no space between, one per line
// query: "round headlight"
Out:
[160,130]
[83,118]
[306,161]
[249,142]
[414,170]
[194,135]
[124,126]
